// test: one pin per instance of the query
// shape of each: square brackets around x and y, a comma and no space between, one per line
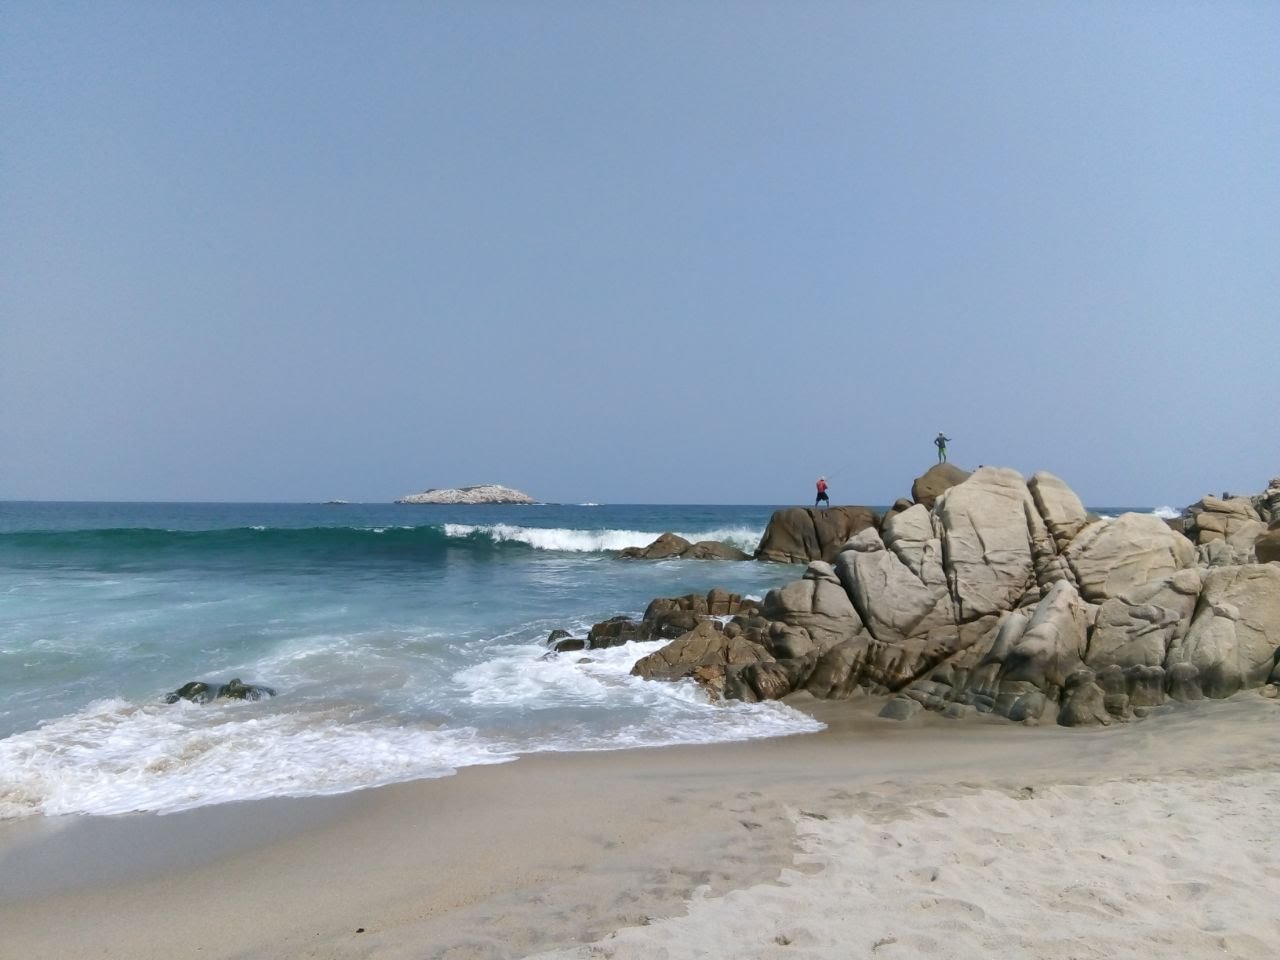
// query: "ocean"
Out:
[403,641]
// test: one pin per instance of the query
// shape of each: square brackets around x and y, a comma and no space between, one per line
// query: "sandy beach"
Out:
[872,838]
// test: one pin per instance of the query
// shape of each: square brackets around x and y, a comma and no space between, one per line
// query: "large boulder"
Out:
[672,545]
[801,534]
[893,602]
[1235,633]
[1137,627]
[1063,513]
[666,546]
[934,482]
[1052,647]
[1110,557]
[987,542]
[818,602]
[911,536]
[705,652]
[1213,518]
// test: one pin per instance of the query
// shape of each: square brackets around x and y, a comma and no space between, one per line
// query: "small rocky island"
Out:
[480,493]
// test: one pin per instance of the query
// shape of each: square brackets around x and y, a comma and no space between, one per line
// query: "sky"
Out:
[647,252]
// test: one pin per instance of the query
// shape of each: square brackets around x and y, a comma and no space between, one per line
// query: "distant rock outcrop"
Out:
[1004,597]
[481,493]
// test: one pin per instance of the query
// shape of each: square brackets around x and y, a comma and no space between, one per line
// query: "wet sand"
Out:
[735,849]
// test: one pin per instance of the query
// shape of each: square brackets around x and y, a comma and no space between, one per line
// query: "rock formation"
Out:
[672,545]
[801,534]
[198,691]
[665,619]
[481,493]
[1003,597]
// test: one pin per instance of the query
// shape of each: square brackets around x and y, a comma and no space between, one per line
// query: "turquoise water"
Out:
[403,641]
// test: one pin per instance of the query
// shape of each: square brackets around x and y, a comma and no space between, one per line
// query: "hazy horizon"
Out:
[636,252]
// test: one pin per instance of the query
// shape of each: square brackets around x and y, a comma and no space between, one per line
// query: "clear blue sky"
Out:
[636,252]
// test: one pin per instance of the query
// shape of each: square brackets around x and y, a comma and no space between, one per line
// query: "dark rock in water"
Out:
[713,550]
[562,641]
[616,631]
[199,692]
[666,618]
[195,691]
[671,545]
[666,546]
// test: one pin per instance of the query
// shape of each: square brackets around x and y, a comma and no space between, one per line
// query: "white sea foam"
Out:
[642,713]
[116,757]
[595,541]
[1164,513]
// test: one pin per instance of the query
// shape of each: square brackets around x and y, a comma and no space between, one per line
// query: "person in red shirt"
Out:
[822,493]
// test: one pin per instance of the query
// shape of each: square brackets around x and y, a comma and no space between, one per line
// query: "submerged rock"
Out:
[198,691]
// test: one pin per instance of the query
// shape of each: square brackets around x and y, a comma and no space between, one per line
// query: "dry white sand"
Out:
[873,839]
[1173,868]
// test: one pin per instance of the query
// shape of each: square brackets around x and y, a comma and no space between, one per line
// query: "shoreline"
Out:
[550,850]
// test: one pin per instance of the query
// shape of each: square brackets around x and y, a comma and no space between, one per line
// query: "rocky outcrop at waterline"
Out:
[1007,597]
[197,691]
[671,546]
[484,493]
[664,619]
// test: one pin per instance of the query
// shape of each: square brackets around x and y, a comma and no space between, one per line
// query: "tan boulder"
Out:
[1233,638]
[703,646]
[1110,557]
[987,541]
[911,536]
[1138,627]
[1063,513]
[818,602]
[891,600]
[1053,645]
[1213,518]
